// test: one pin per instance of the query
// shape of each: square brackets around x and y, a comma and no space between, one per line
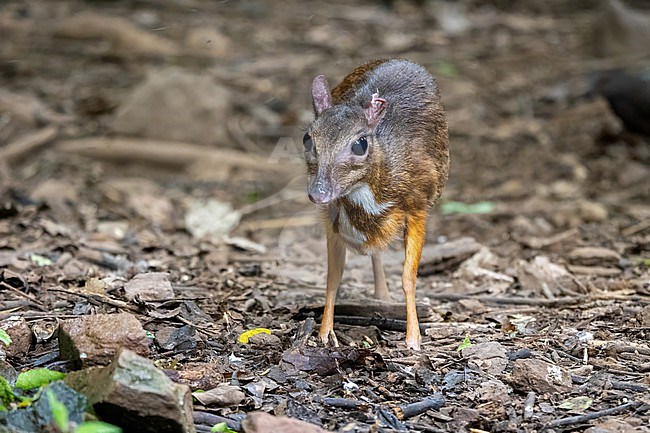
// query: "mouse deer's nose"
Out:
[319,197]
[321,191]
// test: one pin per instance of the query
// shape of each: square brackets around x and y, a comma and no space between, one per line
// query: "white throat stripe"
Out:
[362,195]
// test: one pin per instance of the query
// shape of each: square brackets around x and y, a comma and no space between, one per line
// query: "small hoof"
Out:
[329,337]
[413,343]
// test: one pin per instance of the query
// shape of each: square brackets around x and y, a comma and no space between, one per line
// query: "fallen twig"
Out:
[511,300]
[345,403]
[629,386]
[28,144]
[407,411]
[594,415]
[170,154]
[635,228]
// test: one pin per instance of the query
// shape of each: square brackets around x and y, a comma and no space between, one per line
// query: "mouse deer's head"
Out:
[340,144]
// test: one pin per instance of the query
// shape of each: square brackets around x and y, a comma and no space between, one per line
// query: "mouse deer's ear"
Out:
[320,93]
[375,111]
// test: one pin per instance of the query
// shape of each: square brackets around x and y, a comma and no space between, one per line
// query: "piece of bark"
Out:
[447,256]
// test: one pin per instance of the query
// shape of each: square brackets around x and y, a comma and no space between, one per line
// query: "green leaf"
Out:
[4,337]
[40,260]
[465,344]
[452,207]
[6,394]
[59,412]
[222,427]
[252,197]
[37,377]
[97,427]
[446,69]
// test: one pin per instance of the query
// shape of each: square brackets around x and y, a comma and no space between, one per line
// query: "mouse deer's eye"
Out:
[360,147]
[307,142]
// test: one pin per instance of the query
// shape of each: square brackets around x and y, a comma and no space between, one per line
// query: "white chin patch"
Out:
[362,195]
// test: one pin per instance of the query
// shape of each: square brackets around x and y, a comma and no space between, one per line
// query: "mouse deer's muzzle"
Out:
[322,189]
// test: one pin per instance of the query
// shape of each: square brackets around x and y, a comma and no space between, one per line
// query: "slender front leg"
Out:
[381,288]
[413,243]
[335,265]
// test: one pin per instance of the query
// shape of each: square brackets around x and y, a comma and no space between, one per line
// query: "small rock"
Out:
[633,172]
[94,340]
[612,425]
[133,394]
[462,416]
[175,106]
[539,376]
[21,336]
[494,390]
[489,357]
[591,256]
[38,417]
[260,422]
[151,286]
[7,370]
[644,316]
[170,338]
[223,395]
[210,218]
[591,211]
[264,339]
[197,375]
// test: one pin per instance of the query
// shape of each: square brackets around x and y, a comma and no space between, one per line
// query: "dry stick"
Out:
[28,297]
[407,411]
[510,300]
[345,403]
[594,415]
[28,144]
[177,155]
[100,299]
[635,228]
[628,386]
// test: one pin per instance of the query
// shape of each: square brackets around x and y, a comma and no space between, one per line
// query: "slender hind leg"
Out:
[413,243]
[335,265]
[381,288]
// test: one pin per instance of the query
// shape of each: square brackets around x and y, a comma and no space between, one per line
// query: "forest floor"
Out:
[128,139]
